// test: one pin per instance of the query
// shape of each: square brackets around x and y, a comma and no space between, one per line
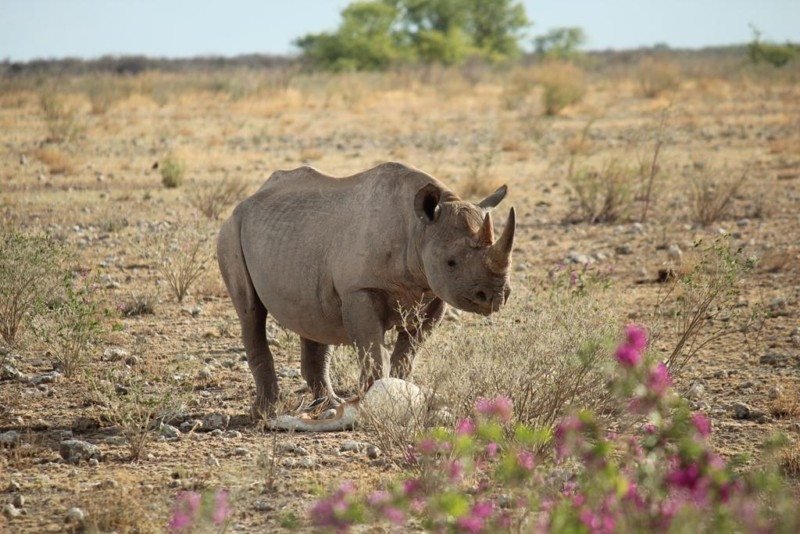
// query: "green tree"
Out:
[497,26]
[774,54]
[560,43]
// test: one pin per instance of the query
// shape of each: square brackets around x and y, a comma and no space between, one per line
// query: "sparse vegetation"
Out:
[138,303]
[560,43]
[563,85]
[30,272]
[774,54]
[657,76]
[604,195]
[213,199]
[60,116]
[181,255]
[172,169]
[711,195]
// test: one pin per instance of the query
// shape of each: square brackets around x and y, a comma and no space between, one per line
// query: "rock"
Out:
[120,389]
[624,249]
[45,378]
[19,501]
[741,223]
[373,452]
[73,450]
[9,438]
[233,434]
[328,414]
[775,359]
[9,372]
[93,462]
[190,425]
[695,391]
[774,392]
[576,257]
[204,373]
[11,511]
[132,360]
[216,421]
[169,432]
[675,253]
[76,515]
[117,441]
[306,462]
[13,486]
[288,372]
[291,448]
[212,461]
[351,445]
[263,506]
[393,401]
[740,410]
[115,354]
[241,451]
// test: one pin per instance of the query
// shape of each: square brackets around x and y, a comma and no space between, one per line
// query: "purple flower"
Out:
[525,460]
[221,507]
[412,486]
[659,380]
[470,523]
[702,424]
[394,515]
[500,407]
[428,446]
[465,427]
[628,356]
[491,450]
[378,498]
[482,509]
[187,505]
[684,477]
[636,337]
[455,470]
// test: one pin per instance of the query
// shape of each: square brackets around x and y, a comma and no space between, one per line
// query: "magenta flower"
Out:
[394,515]
[465,427]
[412,486]
[187,504]
[482,509]
[628,356]
[377,498]
[428,446]
[491,450]
[221,507]
[525,460]
[470,523]
[684,477]
[659,380]
[636,337]
[702,424]
[500,407]
[455,470]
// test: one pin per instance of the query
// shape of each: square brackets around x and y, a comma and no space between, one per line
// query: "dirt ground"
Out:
[100,194]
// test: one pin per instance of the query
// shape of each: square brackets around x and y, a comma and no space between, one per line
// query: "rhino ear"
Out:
[426,203]
[494,199]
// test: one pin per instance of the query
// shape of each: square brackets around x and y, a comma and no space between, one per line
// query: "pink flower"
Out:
[428,446]
[394,515]
[702,424]
[636,337]
[470,523]
[649,428]
[221,508]
[684,477]
[501,407]
[491,450]
[455,470]
[659,380]
[187,505]
[465,427]
[411,486]
[628,356]
[378,498]
[525,460]
[482,509]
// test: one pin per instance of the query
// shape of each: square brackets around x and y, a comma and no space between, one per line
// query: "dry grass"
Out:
[213,199]
[563,84]
[604,195]
[786,405]
[657,76]
[57,160]
[712,194]
[790,461]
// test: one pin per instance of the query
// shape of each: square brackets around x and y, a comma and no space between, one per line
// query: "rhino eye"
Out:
[451,262]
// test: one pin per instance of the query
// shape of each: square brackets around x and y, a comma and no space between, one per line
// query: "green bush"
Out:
[172,170]
[560,43]
[563,84]
[776,55]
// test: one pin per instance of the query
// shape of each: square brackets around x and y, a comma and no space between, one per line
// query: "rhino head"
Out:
[464,265]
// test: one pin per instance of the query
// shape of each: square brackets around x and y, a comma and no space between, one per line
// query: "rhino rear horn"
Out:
[500,253]
[494,199]
[486,233]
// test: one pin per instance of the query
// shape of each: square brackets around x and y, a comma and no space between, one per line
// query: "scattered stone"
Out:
[675,253]
[234,434]
[11,511]
[624,249]
[216,421]
[74,450]
[93,462]
[132,360]
[190,425]
[9,372]
[241,451]
[775,359]
[373,452]
[9,439]
[19,501]
[115,354]
[14,486]
[212,461]
[291,448]
[577,257]
[169,432]
[217,433]
[352,445]
[288,372]
[117,441]
[120,389]
[76,515]
[196,311]
[306,462]
[740,410]
[695,391]
[46,378]
[263,506]
[204,373]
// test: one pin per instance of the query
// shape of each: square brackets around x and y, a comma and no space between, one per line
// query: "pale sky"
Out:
[31,29]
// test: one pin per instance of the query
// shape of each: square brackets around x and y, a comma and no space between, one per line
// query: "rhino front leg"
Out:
[363,314]
[409,339]
[314,364]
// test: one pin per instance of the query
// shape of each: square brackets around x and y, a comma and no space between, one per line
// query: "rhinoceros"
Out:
[342,260]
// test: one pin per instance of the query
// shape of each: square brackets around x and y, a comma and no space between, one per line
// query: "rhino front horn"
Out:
[500,253]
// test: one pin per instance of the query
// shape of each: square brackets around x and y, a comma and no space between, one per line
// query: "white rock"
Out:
[393,401]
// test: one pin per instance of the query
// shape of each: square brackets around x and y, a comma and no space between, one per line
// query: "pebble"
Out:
[234,434]
[74,450]
[117,441]
[76,515]
[740,410]
[93,462]
[192,424]
[624,249]
[373,452]
[215,421]
[114,354]
[351,445]
[45,378]
[288,372]
[132,360]
[774,358]
[9,438]
[291,448]
[241,451]
[204,373]
[212,461]
[14,486]
[695,391]
[169,432]
[19,501]
[9,372]
[774,392]
[11,511]
[263,506]
[577,257]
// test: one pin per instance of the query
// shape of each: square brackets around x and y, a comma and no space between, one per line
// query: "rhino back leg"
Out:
[314,366]
[252,317]
[408,340]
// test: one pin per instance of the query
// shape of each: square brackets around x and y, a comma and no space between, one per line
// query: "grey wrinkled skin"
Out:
[336,260]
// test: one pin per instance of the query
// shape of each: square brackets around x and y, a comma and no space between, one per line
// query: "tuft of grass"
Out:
[563,84]
[711,195]
[172,169]
[657,76]
[182,254]
[786,405]
[61,118]
[212,200]
[138,303]
[604,195]
[57,161]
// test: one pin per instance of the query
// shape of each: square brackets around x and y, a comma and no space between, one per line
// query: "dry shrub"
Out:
[563,84]
[172,169]
[790,461]
[213,199]
[57,161]
[548,351]
[657,76]
[121,509]
[182,254]
[138,303]
[61,117]
[603,195]
[787,404]
[711,194]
